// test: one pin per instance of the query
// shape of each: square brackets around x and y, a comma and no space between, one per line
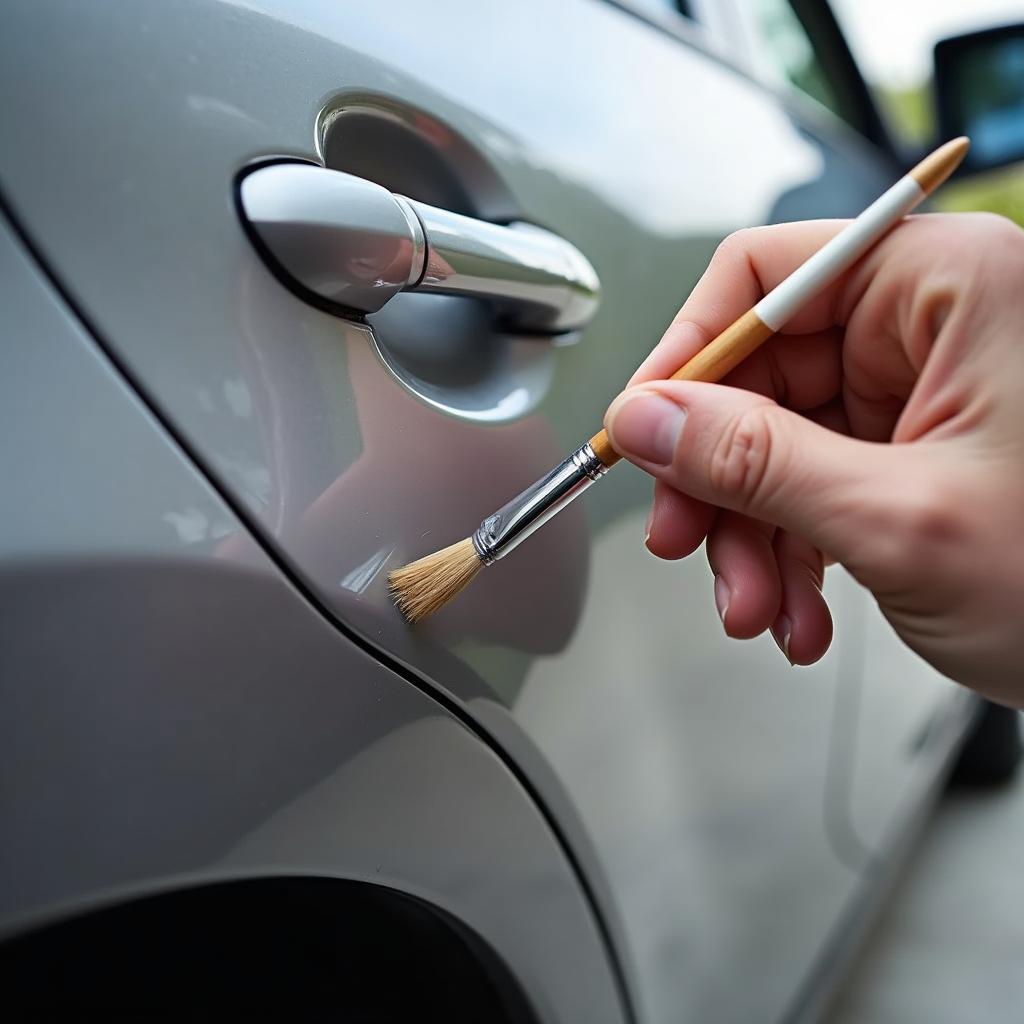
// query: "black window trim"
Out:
[856,103]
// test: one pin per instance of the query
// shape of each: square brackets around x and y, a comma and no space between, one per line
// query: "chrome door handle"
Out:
[354,244]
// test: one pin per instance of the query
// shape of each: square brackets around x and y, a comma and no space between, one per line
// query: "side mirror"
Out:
[979,91]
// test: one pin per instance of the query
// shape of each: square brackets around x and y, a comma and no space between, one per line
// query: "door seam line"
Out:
[256,532]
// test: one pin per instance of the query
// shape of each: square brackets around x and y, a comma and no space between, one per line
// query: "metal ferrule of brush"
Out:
[497,535]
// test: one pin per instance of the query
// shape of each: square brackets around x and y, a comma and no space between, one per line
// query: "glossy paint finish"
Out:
[695,778]
[175,713]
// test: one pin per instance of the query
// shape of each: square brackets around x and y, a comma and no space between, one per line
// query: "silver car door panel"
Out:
[176,714]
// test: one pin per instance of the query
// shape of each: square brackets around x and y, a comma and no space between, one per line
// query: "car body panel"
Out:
[688,773]
[177,714]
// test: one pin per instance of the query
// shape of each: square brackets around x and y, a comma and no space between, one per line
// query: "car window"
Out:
[893,45]
[788,53]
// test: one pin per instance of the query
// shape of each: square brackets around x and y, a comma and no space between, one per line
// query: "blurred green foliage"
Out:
[909,111]
[1001,192]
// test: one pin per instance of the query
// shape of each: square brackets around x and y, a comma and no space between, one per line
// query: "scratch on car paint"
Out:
[362,576]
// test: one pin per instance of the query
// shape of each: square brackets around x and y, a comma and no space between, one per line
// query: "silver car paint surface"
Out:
[694,777]
[245,738]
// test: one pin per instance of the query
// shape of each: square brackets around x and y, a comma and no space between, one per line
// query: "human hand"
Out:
[884,425]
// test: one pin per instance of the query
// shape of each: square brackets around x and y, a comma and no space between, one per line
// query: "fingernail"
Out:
[647,527]
[722,595]
[646,426]
[782,630]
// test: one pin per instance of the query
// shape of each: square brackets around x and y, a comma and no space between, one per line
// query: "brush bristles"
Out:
[423,587]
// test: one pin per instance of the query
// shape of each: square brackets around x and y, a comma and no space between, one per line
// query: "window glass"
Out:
[788,53]
[892,43]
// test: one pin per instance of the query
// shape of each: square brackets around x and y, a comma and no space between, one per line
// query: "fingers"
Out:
[681,341]
[759,583]
[748,589]
[678,523]
[803,626]
[746,266]
[799,371]
[740,451]
[728,460]
[764,579]
[768,579]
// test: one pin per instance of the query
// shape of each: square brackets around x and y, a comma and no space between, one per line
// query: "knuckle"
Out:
[734,247]
[985,265]
[744,456]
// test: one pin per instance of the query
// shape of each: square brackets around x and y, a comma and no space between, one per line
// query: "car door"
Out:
[685,772]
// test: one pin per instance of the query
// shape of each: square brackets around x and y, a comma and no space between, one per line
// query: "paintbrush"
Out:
[424,586]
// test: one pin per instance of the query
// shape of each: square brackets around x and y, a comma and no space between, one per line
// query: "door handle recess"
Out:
[355,244]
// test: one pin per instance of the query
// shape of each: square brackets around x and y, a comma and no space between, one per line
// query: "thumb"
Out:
[739,450]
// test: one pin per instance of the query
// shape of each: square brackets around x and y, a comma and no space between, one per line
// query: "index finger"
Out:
[745,267]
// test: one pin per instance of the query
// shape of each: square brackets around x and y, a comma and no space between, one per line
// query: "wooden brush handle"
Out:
[710,364]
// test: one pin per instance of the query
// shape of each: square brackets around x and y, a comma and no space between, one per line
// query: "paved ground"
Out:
[949,948]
